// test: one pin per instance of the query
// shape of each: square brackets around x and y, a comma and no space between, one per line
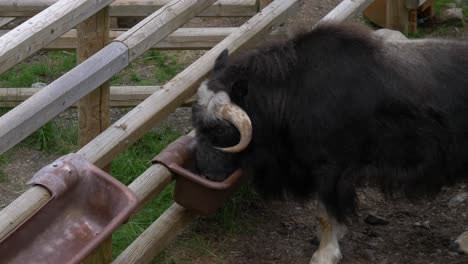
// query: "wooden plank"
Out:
[181,39]
[60,94]
[158,235]
[151,183]
[94,109]
[345,10]
[397,16]
[43,28]
[120,96]
[412,21]
[148,185]
[143,8]
[21,208]
[6,20]
[163,22]
[133,8]
[155,108]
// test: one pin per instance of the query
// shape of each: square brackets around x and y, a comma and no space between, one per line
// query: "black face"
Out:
[213,131]
[212,163]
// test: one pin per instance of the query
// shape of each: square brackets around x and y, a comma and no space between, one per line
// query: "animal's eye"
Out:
[219,130]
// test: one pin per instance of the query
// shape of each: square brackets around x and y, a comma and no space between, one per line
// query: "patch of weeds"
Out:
[439,4]
[135,77]
[128,232]
[166,66]
[126,168]
[54,137]
[197,246]
[136,159]
[152,68]
[417,35]
[44,68]
[231,216]
[188,248]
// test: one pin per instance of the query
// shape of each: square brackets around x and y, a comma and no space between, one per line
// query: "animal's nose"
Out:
[455,247]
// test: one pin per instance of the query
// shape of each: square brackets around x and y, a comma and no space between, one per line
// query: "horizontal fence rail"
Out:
[132,8]
[181,39]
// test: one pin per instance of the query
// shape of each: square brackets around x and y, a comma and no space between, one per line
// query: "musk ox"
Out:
[334,108]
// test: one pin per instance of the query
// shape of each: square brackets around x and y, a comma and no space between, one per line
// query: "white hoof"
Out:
[327,255]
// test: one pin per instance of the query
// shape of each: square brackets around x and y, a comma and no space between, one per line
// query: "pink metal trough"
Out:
[86,206]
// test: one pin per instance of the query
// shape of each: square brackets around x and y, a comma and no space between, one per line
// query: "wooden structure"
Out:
[399,14]
[100,67]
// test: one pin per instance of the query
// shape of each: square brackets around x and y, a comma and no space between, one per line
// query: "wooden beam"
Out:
[120,96]
[157,236]
[133,8]
[397,16]
[345,10]
[94,109]
[22,208]
[43,28]
[6,20]
[181,39]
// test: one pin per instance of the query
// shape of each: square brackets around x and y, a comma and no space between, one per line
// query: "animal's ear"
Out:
[239,89]
[221,61]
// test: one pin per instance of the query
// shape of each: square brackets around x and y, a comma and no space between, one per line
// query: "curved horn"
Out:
[241,121]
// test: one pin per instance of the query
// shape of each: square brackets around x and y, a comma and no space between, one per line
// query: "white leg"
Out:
[461,244]
[331,232]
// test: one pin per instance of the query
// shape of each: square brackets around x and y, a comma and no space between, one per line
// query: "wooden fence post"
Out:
[94,109]
[397,16]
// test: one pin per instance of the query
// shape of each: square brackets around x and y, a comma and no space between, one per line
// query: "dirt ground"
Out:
[284,232]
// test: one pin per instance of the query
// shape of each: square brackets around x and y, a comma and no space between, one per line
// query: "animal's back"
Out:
[355,106]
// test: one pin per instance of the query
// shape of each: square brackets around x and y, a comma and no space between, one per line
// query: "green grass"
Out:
[43,68]
[439,4]
[54,137]
[154,67]
[127,167]
[231,217]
